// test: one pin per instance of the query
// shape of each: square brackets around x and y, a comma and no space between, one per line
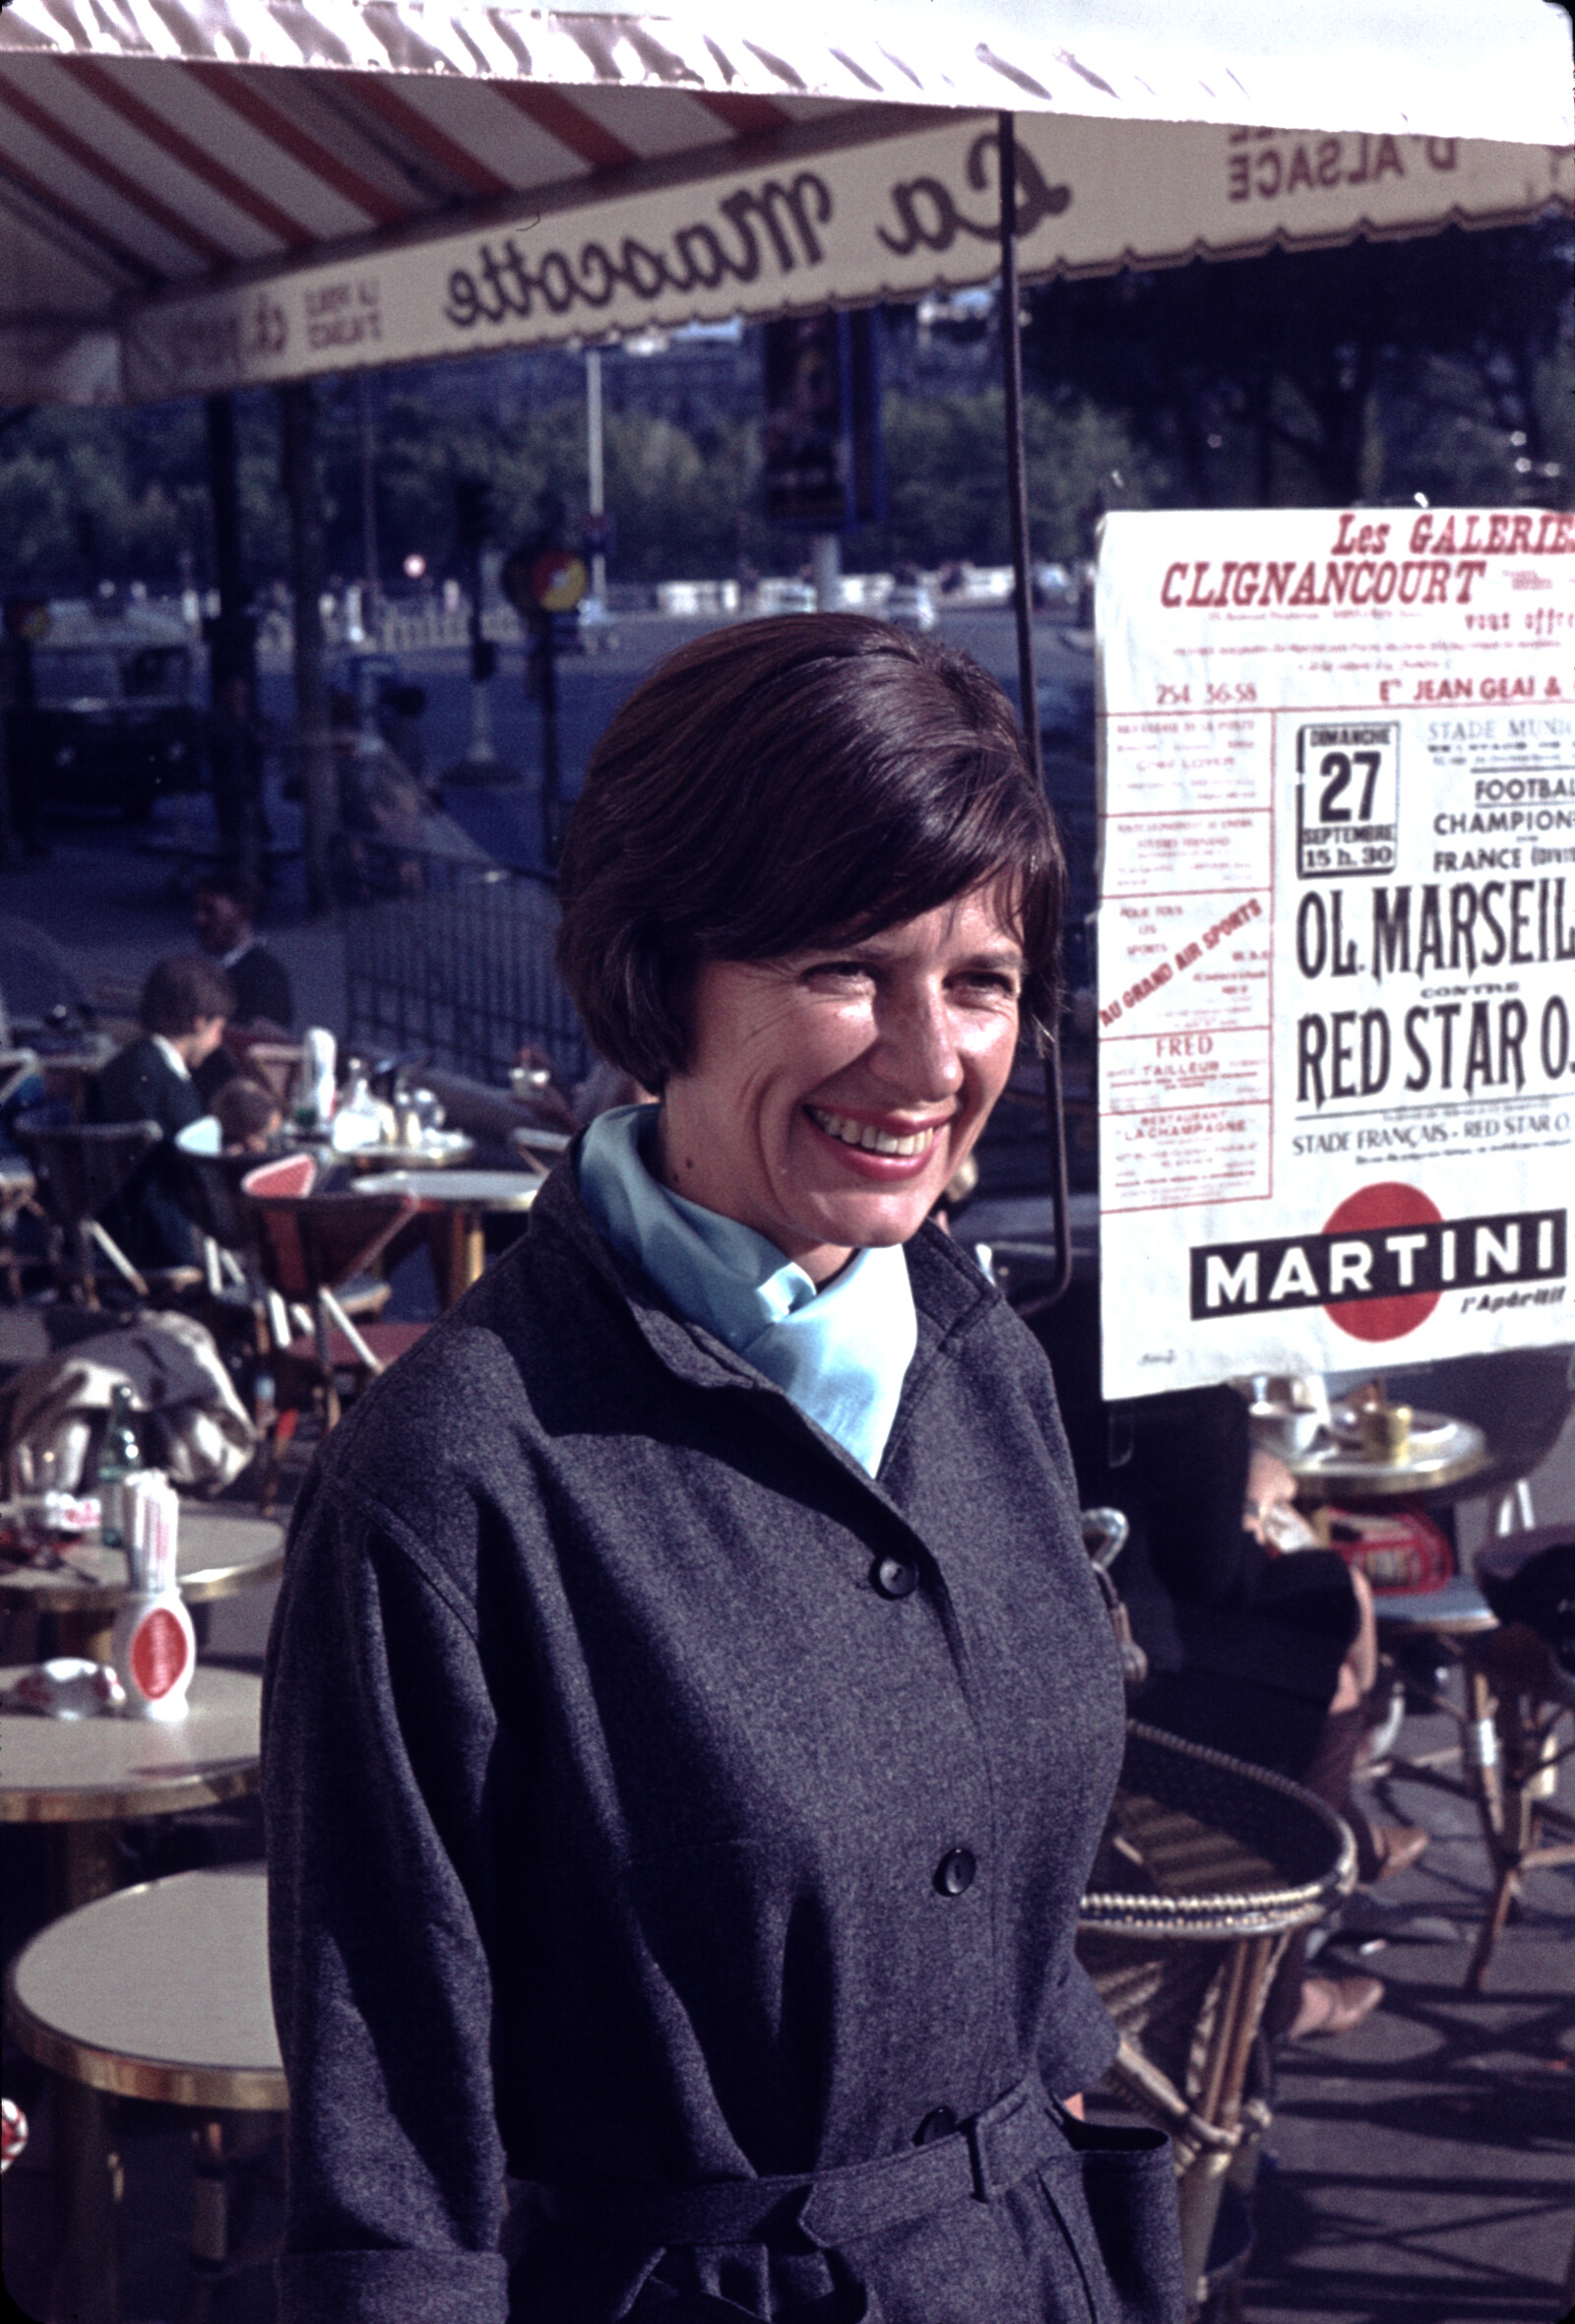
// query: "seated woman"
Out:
[690,1714]
[1271,1654]
[183,1009]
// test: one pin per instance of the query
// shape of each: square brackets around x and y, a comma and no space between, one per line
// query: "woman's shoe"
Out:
[1397,1848]
[1334,2005]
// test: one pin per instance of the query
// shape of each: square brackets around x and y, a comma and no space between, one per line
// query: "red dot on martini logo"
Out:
[1369,1211]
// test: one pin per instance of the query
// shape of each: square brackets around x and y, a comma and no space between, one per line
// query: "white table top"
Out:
[465,1190]
[158,1991]
[221,1550]
[1457,1608]
[65,1770]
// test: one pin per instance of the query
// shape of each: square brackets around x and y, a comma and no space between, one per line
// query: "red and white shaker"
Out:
[155,1648]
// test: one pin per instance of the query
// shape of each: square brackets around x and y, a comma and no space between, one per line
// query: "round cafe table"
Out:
[82,1776]
[1441,1452]
[158,1992]
[221,1550]
[466,1198]
[78,1777]
[67,1072]
[447,1149]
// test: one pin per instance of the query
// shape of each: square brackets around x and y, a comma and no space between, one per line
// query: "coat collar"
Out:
[950,1295]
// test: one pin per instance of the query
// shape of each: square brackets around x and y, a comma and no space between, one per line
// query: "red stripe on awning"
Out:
[90,228]
[374,94]
[112,92]
[568,122]
[748,116]
[238,92]
[129,189]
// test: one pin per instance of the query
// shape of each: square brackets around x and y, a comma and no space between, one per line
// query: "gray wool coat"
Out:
[655,1799]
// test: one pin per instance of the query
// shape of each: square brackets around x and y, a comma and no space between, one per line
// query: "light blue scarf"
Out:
[840,1355]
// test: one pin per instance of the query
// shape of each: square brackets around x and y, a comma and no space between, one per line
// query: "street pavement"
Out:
[506,820]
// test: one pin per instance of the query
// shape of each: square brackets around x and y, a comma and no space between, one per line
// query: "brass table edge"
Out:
[252,2090]
[1388,1484]
[103,1599]
[225,1779]
[1444,1625]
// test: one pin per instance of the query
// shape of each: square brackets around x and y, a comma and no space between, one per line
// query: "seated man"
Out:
[184,1005]
[223,915]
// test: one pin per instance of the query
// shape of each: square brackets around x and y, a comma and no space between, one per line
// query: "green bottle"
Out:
[120,1457]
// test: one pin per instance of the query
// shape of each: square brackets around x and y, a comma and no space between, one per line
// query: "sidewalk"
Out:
[106,898]
[1425,2164]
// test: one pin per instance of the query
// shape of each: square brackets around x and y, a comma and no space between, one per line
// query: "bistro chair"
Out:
[1206,1868]
[1519,1694]
[277,1066]
[310,1247]
[18,1197]
[78,1170]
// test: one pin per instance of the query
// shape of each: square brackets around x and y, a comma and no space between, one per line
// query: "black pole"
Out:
[231,635]
[1028,687]
[547,681]
[297,414]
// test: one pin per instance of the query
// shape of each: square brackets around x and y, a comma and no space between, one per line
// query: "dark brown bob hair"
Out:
[180,992]
[785,784]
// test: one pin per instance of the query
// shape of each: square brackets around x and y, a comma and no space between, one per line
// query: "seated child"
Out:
[249,1116]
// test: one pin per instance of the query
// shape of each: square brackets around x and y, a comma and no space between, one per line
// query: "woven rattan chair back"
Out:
[212,1184]
[79,1169]
[81,1166]
[1206,1868]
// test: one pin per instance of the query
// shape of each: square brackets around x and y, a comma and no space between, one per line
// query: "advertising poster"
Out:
[1336,939]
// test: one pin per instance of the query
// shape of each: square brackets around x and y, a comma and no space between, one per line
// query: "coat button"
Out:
[955,1872]
[895,1577]
[940,2122]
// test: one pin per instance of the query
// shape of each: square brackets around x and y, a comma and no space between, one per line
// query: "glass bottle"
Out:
[120,1457]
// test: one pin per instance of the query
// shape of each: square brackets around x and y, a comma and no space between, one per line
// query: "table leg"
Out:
[84,1866]
[455,1278]
[85,2289]
[86,1634]
[87,2280]
[474,1246]
[465,1252]
[210,2218]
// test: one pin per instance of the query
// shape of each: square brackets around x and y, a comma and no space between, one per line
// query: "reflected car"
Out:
[115,722]
[1066,713]
[908,604]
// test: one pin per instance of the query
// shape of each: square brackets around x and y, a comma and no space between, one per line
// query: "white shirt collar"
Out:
[172,1056]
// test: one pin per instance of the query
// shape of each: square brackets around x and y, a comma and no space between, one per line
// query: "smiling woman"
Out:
[690,1713]
[808,893]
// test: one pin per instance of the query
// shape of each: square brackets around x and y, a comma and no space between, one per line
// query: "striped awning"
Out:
[205,193]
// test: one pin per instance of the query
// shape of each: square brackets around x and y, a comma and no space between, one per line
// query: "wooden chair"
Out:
[276,1065]
[78,1170]
[18,1197]
[310,1246]
[1206,1868]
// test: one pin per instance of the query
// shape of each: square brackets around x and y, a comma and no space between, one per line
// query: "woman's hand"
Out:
[1269,1511]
